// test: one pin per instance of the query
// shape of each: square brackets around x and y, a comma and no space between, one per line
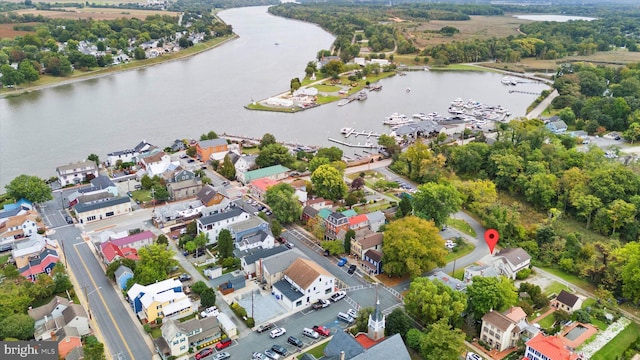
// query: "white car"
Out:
[277,332]
[210,311]
[352,313]
[338,296]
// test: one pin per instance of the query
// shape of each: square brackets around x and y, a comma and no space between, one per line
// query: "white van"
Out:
[344,317]
[310,333]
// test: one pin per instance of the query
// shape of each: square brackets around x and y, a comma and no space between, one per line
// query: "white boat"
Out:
[346,130]
[397,119]
[419,115]
[458,102]
[455,111]
[509,81]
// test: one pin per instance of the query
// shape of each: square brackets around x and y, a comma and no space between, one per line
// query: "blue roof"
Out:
[264,253]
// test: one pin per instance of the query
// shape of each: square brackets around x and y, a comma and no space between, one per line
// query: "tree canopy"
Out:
[284,203]
[328,182]
[29,187]
[487,293]
[436,202]
[429,301]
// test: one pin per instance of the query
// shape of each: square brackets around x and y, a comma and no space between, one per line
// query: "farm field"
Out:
[95,13]
[6,30]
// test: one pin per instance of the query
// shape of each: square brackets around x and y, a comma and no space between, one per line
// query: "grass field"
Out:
[95,13]
[619,344]
[581,283]
[462,226]
[460,252]
[7,32]
[555,288]
[547,321]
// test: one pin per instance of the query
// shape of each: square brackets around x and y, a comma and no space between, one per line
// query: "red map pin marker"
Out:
[491,237]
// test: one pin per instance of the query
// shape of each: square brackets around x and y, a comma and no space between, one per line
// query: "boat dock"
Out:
[366,145]
[346,101]
[368,134]
[524,92]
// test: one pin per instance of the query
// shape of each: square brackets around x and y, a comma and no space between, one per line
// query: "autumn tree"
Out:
[328,183]
[487,293]
[429,301]
[284,203]
[436,202]
[29,187]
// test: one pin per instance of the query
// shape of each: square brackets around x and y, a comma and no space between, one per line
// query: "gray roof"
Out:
[65,331]
[80,208]
[212,142]
[451,282]
[254,238]
[427,126]
[102,182]
[390,348]
[121,270]
[9,213]
[264,254]
[287,290]
[310,211]
[251,223]
[215,218]
[514,255]
[279,263]
[337,215]
[376,216]
[79,165]
[77,353]
[343,341]
[567,298]
[46,309]
[72,311]
[373,255]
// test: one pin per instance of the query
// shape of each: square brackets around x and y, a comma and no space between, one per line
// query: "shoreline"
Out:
[104,73]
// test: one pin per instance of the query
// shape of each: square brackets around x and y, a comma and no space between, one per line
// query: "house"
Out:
[20,226]
[68,338]
[56,314]
[335,223]
[259,187]
[77,353]
[275,172]
[208,196]
[184,189]
[510,261]
[270,270]
[73,174]
[500,331]
[557,127]
[250,262]
[173,213]
[136,241]
[214,149]
[178,174]
[567,302]
[122,275]
[178,145]
[542,347]
[479,270]
[243,163]
[37,255]
[358,222]
[129,155]
[164,299]
[309,215]
[319,203]
[213,224]
[451,282]
[252,233]
[195,333]
[259,239]
[155,164]
[102,182]
[372,260]
[361,244]
[109,252]
[87,212]
[304,282]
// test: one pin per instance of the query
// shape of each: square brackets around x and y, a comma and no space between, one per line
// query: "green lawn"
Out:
[588,302]
[316,351]
[156,333]
[4,258]
[461,225]
[581,283]
[327,88]
[461,250]
[555,288]
[547,321]
[142,195]
[619,344]
[599,323]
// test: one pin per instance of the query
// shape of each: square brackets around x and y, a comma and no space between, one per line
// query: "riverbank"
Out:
[51,81]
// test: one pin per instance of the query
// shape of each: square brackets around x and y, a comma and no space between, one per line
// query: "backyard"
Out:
[619,344]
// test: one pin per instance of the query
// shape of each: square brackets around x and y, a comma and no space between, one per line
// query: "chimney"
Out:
[342,355]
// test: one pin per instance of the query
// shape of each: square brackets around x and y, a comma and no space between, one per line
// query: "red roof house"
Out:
[111,252]
[548,348]
[358,221]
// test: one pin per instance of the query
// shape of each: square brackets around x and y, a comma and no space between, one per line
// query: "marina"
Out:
[366,145]
[349,131]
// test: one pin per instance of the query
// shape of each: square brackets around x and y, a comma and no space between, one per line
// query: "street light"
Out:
[86,296]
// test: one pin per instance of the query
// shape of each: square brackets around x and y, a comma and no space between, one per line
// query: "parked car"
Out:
[321,304]
[69,219]
[184,277]
[224,343]
[225,183]
[264,327]
[222,356]
[342,262]
[279,349]
[289,245]
[271,354]
[295,341]
[277,332]
[322,330]
[258,356]
[338,296]
[352,313]
[204,353]
[352,269]
[210,311]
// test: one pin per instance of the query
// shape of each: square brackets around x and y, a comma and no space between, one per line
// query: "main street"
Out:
[113,320]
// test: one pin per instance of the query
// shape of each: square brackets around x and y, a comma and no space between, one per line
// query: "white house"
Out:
[510,261]
[213,224]
[156,164]
[76,173]
[128,155]
[304,282]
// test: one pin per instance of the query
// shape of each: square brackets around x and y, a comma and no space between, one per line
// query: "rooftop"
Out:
[304,272]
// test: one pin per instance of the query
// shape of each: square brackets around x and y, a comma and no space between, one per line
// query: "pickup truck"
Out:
[321,304]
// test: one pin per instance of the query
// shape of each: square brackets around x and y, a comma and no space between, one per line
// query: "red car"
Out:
[223,344]
[322,330]
[204,353]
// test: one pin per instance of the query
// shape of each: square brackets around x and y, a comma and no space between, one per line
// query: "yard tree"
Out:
[628,264]
[389,143]
[477,194]
[332,153]
[442,342]
[487,293]
[190,246]
[208,297]
[227,169]
[274,154]
[317,161]
[276,228]
[404,207]
[201,240]
[397,323]
[160,192]
[29,187]
[620,212]
[350,235]
[17,326]
[436,202]
[94,158]
[43,287]
[15,298]
[139,54]
[11,76]
[335,247]
[362,320]
[284,203]
[225,244]
[358,183]
[60,279]
[155,262]
[328,182]
[429,301]
[93,349]
[198,287]
[267,139]
[162,239]
[295,84]
[412,245]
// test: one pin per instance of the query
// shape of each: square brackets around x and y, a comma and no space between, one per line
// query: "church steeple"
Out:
[376,322]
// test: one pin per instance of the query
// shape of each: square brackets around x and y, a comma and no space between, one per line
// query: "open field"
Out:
[97,2]
[6,30]
[95,13]
[617,57]
[479,27]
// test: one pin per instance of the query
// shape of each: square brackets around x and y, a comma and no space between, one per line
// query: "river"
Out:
[183,99]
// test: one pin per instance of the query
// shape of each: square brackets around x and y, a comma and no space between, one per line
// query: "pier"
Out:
[346,101]
[524,92]
[368,134]
[366,145]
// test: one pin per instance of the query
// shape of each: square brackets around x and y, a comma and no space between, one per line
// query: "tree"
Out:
[160,192]
[317,161]
[11,76]
[60,279]
[628,266]
[208,297]
[362,320]
[201,240]
[334,247]
[28,187]
[332,153]
[199,287]
[328,183]
[274,154]
[404,207]
[190,246]
[632,134]
[357,183]
[436,202]
[227,169]
[295,84]
[620,212]
[284,203]
[586,204]
[429,301]
[390,144]
[442,342]
[17,326]
[267,139]
[93,349]
[397,323]
[162,239]
[43,287]
[225,244]
[28,70]
[15,298]
[490,293]
[94,158]
[154,265]
[412,245]
[276,228]
[350,235]
[139,54]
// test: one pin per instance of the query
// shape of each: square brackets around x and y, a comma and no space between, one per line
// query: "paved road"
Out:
[115,327]
[544,104]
